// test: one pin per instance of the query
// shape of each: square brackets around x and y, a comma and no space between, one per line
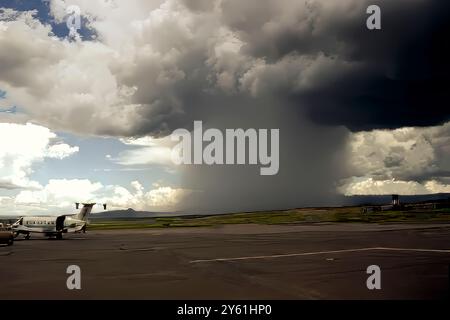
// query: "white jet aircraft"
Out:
[54,226]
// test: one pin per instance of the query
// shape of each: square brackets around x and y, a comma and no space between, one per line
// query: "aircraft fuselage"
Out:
[48,225]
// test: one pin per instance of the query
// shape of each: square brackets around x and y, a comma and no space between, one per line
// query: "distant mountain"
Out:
[129,213]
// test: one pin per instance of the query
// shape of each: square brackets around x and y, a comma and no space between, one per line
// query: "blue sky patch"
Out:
[43,15]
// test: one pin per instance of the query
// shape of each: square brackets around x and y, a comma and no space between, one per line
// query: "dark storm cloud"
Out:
[404,78]
[403,69]
[358,78]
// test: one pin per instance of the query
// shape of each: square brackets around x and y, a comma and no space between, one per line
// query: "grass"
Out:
[294,216]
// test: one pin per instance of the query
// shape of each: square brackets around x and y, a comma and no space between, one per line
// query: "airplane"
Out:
[9,110]
[54,226]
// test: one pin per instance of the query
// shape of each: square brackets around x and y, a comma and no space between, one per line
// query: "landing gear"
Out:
[59,236]
[27,236]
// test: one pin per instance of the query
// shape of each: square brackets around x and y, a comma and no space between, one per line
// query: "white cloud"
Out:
[146,141]
[369,186]
[382,187]
[63,193]
[148,151]
[404,161]
[61,151]
[395,153]
[111,19]
[61,84]
[22,146]
[60,191]
[148,155]
[163,196]
[437,187]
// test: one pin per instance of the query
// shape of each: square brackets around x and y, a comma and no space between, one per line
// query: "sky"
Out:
[359,111]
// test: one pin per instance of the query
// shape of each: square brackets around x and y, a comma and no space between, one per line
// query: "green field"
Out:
[294,216]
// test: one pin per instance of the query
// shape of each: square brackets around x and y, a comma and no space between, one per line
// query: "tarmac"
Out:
[313,261]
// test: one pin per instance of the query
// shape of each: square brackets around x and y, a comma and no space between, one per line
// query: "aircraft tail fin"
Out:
[85,210]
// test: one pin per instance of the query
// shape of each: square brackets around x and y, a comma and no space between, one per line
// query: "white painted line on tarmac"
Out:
[274,256]
[414,249]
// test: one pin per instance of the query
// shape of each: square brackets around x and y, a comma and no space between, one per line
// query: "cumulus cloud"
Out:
[61,194]
[63,191]
[370,186]
[61,151]
[23,146]
[60,84]
[406,161]
[403,153]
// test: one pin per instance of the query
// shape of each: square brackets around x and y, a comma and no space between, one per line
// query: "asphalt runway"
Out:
[317,261]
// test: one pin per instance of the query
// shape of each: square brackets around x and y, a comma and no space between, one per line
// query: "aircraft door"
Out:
[60,223]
